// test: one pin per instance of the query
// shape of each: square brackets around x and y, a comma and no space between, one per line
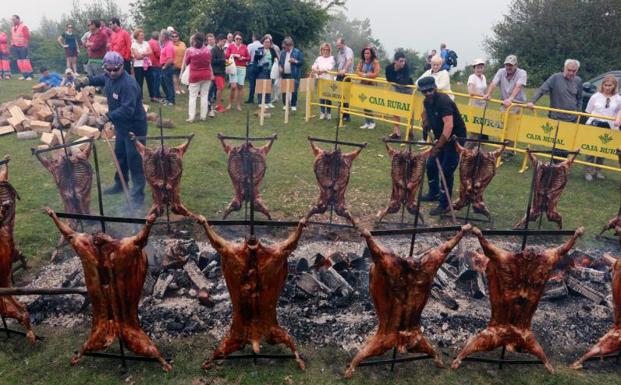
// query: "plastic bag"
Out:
[275,72]
[185,76]
[231,68]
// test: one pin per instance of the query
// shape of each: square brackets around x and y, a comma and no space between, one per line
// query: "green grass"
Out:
[289,188]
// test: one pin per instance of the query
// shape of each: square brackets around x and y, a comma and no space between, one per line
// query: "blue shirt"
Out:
[444,56]
[52,79]
[296,68]
[125,107]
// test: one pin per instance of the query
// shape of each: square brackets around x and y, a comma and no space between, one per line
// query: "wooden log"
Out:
[15,122]
[100,108]
[59,136]
[40,126]
[82,146]
[47,95]
[42,291]
[27,135]
[49,139]
[4,130]
[88,131]
[17,114]
[23,104]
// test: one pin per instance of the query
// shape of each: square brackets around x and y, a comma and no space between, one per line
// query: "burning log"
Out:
[555,290]
[516,283]
[581,288]
[9,306]
[550,181]
[114,271]
[255,275]
[400,289]
[201,283]
[407,174]
[312,286]
[247,164]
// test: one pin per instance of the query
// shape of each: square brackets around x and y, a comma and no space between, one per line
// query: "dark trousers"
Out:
[130,163]
[154,81]
[140,74]
[167,83]
[260,76]
[252,73]
[339,78]
[212,95]
[449,158]
[127,66]
[294,94]
[557,153]
[325,110]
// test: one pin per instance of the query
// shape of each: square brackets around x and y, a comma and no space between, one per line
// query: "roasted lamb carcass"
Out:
[477,168]
[9,306]
[114,271]
[611,341]
[332,170]
[247,165]
[550,181]
[163,166]
[516,283]
[400,289]
[255,275]
[407,174]
[615,223]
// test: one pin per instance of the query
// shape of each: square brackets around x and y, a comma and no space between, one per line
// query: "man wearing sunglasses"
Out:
[126,112]
[441,116]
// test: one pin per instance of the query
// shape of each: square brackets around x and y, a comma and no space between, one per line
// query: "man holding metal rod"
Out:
[126,112]
[441,116]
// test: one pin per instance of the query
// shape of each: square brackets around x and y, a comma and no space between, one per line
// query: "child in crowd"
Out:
[69,79]
[50,79]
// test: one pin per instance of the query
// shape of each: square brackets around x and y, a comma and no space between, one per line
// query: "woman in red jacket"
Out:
[198,58]
[239,52]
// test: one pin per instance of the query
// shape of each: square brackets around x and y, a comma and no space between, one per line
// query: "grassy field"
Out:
[289,188]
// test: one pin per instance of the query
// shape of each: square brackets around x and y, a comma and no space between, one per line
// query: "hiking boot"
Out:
[439,211]
[430,198]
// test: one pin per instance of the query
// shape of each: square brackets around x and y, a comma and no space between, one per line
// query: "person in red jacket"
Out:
[5,64]
[121,42]
[20,38]
[154,75]
[238,52]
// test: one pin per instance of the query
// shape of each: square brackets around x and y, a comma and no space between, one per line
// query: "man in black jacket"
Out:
[398,72]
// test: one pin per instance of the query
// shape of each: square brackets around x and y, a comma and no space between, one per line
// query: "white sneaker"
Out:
[322,116]
[599,175]
[329,116]
[212,114]
[294,108]
[371,126]
[270,105]
[21,77]
[284,108]
[364,126]
[588,177]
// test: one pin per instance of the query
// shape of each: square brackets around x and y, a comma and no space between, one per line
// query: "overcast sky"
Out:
[417,24]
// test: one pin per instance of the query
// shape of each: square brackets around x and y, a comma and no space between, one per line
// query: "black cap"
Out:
[426,83]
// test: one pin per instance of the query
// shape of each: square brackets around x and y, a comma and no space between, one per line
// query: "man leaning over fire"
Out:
[126,112]
[441,116]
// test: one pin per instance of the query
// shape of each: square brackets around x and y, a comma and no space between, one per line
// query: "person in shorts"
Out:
[217,65]
[69,42]
[239,53]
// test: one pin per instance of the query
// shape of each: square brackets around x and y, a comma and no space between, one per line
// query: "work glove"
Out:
[439,145]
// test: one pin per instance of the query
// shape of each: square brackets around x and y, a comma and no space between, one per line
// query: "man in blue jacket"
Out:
[290,63]
[126,112]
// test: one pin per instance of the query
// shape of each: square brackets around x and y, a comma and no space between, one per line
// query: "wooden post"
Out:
[262,113]
[265,87]
[287,86]
[307,85]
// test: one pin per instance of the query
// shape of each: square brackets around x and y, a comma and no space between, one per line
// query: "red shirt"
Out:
[20,36]
[199,60]
[155,52]
[121,42]
[167,54]
[99,47]
[244,58]
[4,43]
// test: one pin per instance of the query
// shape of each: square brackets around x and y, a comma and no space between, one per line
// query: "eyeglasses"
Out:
[238,38]
[113,69]
[607,103]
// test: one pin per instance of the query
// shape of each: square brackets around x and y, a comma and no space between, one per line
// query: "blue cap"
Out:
[112,58]
[426,83]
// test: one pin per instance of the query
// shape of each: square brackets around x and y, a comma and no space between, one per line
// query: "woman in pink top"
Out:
[239,52]
[198,58]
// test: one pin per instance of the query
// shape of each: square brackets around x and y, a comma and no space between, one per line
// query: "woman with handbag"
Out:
[141,52]
[264,59]
[198,62]
[240,55]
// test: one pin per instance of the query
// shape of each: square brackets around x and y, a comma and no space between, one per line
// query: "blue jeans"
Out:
[252,73]
[294,94]
[130,163]
[449,159]
[154,81]
[325,110]
[167,83]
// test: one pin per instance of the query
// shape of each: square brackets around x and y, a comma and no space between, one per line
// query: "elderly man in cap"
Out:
[441,116]
[126,112]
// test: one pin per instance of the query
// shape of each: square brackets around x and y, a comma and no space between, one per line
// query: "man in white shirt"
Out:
[251,70]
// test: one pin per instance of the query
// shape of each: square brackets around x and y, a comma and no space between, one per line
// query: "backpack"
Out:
[451,58]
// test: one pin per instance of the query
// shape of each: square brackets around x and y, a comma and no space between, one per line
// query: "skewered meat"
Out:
[255,275]
[611,341]
[332,170]
[163,167]
[400,289]
[516,283]
[9,306]
[550,181]
[114,271]
[245,172]
[406,173]
[615,223]
[476,170]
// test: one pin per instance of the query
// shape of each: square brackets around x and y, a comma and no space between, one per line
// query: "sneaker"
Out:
[155,100]
[294,108]
[329,116]
[439,211]
[371,126]
[29,78]
[190,120]
[429,198]
[212,113]
[322,116]
[220,108]
[599,175]
[203,119]
[364,126]
[270,105]
[116,189]
[20,77]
